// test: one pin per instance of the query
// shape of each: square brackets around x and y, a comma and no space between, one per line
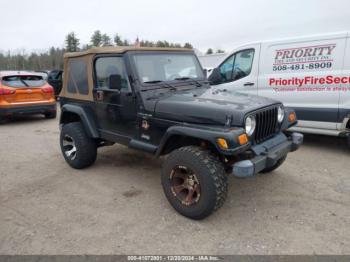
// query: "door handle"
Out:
[99,95]
[249,84]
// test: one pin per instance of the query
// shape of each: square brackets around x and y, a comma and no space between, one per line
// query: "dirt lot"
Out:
[118,207]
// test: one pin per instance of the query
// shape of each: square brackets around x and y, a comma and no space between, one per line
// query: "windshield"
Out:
[167,67]
[23,81]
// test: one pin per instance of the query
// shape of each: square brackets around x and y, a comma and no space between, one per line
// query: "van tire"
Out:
[79,150]
[209,176]
[275,166]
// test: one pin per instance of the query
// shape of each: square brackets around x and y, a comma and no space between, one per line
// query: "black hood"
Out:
[205,106]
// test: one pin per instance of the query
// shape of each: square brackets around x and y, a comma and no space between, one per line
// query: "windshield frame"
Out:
[147,86]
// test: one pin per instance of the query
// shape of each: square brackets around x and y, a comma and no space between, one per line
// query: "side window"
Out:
[237,66]
[107,66]
[77,79]
[226,69]
[243,64]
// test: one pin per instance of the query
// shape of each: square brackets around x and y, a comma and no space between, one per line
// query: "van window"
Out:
[107,66]
[237,66]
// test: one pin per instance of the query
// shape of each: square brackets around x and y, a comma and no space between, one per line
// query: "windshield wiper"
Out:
[24,82]
[182,78]
[153,82]
[198,84]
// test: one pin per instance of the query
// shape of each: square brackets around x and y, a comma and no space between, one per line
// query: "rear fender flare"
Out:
[86,119]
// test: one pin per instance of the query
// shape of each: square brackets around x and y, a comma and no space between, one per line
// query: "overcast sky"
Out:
[39,24]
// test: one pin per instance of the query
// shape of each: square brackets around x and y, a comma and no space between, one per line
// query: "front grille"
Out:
[266,124]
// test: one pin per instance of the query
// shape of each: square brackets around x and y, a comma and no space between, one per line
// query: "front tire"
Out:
[79,150]
[194,182]
[275,166]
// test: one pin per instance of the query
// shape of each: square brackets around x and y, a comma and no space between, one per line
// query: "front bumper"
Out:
[24,110]
[267,154]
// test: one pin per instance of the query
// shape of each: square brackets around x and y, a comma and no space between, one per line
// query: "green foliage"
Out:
[220,51]
[209,51]
[118,40]
[188,45]
[53,57]
[72,42]
[96,38]
[106,40]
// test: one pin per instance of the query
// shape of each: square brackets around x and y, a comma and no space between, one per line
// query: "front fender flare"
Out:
[207,134]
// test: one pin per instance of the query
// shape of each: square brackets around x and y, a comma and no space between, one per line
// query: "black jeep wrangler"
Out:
[159,101]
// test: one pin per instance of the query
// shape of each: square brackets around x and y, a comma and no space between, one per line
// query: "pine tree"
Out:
[96,38]
[117,40]
[209,51]
[72,42]
[188,45]
[106,40]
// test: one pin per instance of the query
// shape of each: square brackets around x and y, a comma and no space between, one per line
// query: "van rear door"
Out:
[301,74]
[344,101]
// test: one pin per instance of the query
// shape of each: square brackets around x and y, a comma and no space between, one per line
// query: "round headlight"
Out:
[280,114]
[250,125]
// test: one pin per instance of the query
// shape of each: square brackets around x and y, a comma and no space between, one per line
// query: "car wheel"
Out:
[275,166]
[2,120]
[78,149]
[194,182]
[50,115]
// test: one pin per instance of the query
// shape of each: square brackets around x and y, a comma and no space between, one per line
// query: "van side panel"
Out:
[304,74]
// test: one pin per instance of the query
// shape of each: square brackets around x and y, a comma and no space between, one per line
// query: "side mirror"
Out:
[115,82]
[205,72]
[215,77]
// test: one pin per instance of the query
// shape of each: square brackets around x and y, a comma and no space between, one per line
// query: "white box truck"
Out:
[310,74]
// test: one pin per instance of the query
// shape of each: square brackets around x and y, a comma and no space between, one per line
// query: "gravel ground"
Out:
[118,206]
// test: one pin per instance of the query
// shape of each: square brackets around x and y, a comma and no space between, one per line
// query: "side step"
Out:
[140,145]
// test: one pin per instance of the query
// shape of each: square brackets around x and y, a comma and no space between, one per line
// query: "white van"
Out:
[309,74]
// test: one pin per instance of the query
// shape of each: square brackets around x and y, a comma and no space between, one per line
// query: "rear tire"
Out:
[277,165]
[79,150]
[51,115]
[2,120]
[201,181]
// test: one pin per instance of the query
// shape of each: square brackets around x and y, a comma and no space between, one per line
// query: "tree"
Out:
[209,51]
[118,40]
[188,45]
[106,40]
[96,38]
[220,51]
[126,42]
[72,42]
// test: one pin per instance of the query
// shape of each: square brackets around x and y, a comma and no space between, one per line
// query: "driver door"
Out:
[239,72]
[115,106]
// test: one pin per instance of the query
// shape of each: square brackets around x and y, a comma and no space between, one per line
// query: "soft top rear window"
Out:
[23,81]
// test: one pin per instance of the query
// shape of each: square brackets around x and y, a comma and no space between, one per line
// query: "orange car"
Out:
[25,93]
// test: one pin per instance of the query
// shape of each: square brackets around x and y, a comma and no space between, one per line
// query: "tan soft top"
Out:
[122,49]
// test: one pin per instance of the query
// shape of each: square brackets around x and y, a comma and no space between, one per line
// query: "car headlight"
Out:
[250,124]
[280,114]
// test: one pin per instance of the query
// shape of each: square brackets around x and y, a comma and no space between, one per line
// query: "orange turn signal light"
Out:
[243,139]
[292,117]
[222,143]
